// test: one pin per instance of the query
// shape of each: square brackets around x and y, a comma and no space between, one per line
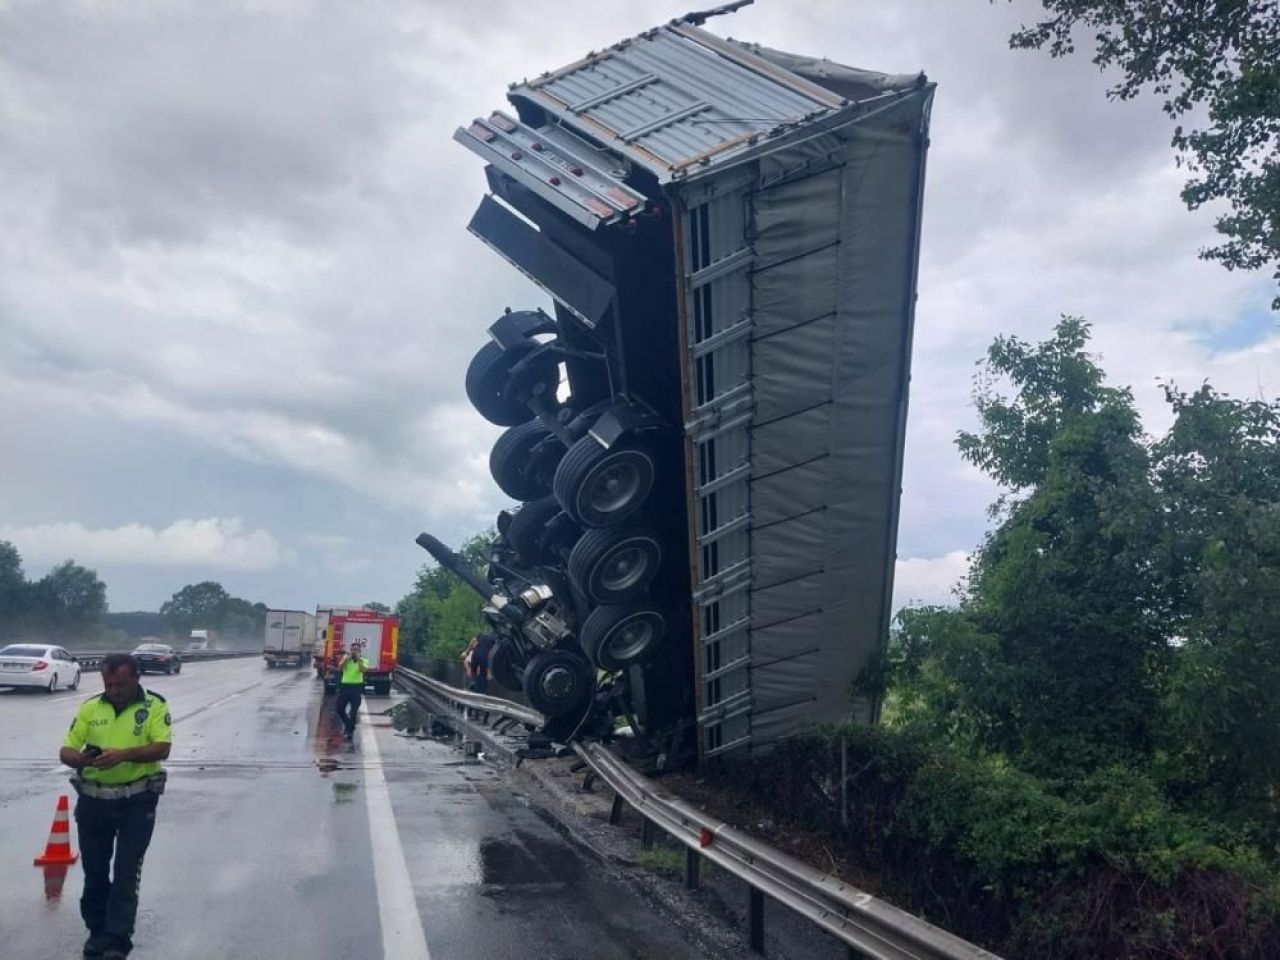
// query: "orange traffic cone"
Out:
[58,850]
[54,879]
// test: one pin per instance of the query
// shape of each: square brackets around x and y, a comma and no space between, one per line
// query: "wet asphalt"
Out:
[262,845]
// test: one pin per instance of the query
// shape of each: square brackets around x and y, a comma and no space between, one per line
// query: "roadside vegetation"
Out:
[440,614]
[68,606]
[1081,756]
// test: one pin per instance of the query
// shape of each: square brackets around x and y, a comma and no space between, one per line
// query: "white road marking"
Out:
[216,703]
[402,936]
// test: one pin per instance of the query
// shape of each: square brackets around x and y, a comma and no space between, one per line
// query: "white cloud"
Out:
[285,283]
[216,543]
[929,580]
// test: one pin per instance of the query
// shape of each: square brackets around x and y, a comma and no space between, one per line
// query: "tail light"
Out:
[38,665]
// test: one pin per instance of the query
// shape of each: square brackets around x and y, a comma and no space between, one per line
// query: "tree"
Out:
[70,597]
[240,618]
[13,584]
[1218,471]
[440,614]
[197,605]
[1055,656]
[377,607]
[1219,61]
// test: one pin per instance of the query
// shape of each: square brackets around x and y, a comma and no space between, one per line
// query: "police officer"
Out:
[351,688]
[115,745]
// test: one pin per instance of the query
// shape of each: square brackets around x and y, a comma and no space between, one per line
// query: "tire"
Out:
[614,565]
[489,386]
[616,637]
[557,682]
[528,524]
[601,488]
[53,684]
[514,467]
[168,671]
[75,684]
[503,667]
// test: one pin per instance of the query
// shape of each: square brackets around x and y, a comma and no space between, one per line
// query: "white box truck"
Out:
[290,638]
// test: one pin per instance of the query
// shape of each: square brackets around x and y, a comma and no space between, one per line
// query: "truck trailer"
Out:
[704,432]
[289,638]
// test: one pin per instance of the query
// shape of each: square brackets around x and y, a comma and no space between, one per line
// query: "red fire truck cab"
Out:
[378,634]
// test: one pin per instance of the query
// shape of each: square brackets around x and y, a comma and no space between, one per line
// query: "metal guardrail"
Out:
[91,659]
[414,681]
[867,925]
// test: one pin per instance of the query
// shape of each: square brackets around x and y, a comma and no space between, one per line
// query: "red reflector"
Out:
[39,665]
[517,155]
[554,181]
[576,171]
[704,838]
[536,147]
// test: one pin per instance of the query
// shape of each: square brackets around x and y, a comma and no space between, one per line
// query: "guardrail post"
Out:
[755,920]
[692,868]
[646,833]
[615,812]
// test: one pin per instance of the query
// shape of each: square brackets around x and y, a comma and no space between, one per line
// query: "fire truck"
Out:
[379,636]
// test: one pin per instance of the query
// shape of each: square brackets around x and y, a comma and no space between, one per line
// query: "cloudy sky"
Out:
[237,297]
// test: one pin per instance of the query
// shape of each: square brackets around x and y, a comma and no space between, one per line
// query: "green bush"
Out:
[1099,867]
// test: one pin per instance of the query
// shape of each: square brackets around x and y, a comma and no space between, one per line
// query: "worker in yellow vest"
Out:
[351,688]
[115,745]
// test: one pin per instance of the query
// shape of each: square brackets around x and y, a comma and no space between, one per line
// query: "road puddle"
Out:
[344,791]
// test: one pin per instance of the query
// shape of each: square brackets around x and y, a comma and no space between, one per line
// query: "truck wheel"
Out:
[515,465]
[613,565]
[616,637]
[557,682]
[528,524]
[599,487]
[382,688]
[491,390]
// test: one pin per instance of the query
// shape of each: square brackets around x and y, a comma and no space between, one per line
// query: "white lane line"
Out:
[402,936]
[217,703]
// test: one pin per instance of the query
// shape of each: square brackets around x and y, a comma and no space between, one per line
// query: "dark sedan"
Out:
[157,658]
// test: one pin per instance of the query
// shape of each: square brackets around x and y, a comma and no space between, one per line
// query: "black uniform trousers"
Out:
[348,705]
[109,904]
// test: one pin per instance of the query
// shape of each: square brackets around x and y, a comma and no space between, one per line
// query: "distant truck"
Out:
[289,639]
[378,634]
[202,640]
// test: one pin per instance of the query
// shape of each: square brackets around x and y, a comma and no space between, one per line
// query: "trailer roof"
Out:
[677,99]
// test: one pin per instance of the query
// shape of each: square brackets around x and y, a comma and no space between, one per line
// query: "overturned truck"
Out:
[705,431]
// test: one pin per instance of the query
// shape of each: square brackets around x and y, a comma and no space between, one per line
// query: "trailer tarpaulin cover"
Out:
[835,254]
[828,243]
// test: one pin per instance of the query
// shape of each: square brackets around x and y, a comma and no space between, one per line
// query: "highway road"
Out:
[263,848]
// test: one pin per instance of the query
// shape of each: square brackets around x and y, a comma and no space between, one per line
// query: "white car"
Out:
[38,665]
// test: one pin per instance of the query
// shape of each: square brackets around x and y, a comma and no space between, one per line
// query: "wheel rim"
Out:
[558,683]
[614,486]
[630,639]
[624,568]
